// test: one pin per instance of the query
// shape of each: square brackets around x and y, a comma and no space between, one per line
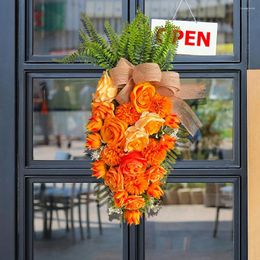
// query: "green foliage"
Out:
[137,43]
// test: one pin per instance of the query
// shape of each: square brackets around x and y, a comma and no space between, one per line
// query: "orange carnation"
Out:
[119,198]
[102,109]
[136,185]
[154,190]
[134,202]
[132,216]
[93,141]
[141,96]
[94,124]
[114,180]
[99,169]
[172,121]
[113,131]
[161,105]
[168,142]
[111,155]
[155,173]
[127,113]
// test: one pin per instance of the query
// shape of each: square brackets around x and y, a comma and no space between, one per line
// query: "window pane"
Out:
[220,11]
[56,23]
[58,211]
[194,223]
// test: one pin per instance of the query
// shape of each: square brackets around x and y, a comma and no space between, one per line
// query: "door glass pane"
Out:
[61,107]
[56,23]
[70,225]
[194,223]
[219,11]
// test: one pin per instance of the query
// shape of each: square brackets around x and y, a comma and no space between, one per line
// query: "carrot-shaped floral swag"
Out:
[138,111]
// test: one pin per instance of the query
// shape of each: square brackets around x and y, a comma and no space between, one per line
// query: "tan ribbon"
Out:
[125,75]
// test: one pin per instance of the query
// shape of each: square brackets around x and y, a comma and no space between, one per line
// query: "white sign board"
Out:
[195,38]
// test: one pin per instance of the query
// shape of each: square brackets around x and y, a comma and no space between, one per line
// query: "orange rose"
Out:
[132,217]
[141,96]
[161,105]
[93,141]
[134,202]
[168,142]
[132,164]
[120,198]
[127,113]
[155,173]
[94,124]
[154,190]
[102,109]
[136,185]
[114,180]
[106,90]
[113,131]
[111,155]
[136,139]
[99,169]
[172,121]
[151,122]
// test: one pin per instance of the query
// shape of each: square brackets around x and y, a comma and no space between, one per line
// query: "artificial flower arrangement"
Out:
[139,115]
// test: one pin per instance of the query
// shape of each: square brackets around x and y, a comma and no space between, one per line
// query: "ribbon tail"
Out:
[187,117]
[124,94]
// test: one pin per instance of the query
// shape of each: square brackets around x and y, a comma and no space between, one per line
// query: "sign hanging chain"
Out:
[178,7]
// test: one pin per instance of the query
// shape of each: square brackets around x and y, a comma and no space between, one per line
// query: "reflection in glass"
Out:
[56,23]
[69,224]
[219,11]
[194,223]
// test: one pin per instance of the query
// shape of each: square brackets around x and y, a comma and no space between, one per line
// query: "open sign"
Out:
[195,38]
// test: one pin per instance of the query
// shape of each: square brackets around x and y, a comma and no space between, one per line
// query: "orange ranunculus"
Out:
[132,164]
[141,96]
[136,185]
[172,121]
[154,190]
[151,122]
[134,202]
[99,169]
[154,153]
[102,109]
[94,124]
[168,142]
[113,131]
[120,198]
[93,141]
[106,90]
[114,179]
[111,155]
[133,217]
[161,105]
[136,139]
[155,173]
[127,113]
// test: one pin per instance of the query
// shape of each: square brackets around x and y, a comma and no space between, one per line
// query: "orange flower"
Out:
[155,173]
[94,124]
[136,139]
[154,152]
[93,141]
[161,105]
[141,96]
[151,122]
[136,185]
[120,198]
[168,142]
[154,190]
[102,109]
[172,121]
[99,169]
[114,180]
[132,164]
[133,217]
[127,113]
[134,202]
[113,131]
[111,155]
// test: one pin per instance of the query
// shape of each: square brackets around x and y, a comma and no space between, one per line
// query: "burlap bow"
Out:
[125,75]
